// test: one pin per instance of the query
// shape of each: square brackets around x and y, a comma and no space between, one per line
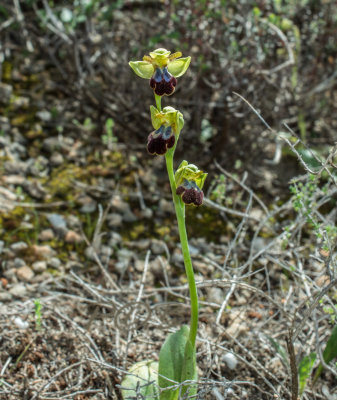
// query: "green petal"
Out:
[178,67]
[144,69]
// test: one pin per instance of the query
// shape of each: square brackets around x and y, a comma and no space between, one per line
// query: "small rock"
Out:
[43,251]
[88,208]
[129,216]
[166,206]
[54,262]
[10,274]
[19,102]
[19,262]
[2,245]
[142,244]
[5,93]
[25,273]
[56,159]
[114,220]
[18,290]
[157,247]
[19,246]
[20,323]
[119,204]
[115,239]
[57,222]
[44,115]
[216,295]
[39,266]
[46,235]
[73,237]
[124,259]
[5,296]
[230,360]
[7,194]
[147,213]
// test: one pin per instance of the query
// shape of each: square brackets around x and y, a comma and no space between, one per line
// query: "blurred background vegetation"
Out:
[279,55]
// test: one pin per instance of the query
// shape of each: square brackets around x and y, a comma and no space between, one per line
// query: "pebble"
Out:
[2,245]
[54,262]
[18,246]
[216,295]
[56,159]
[44,251]
[5,296]
[114,220]
[19,262]
[230,360]
[44,115]
[20,323]
[39,266]
[129,216]
[157,247]
[73,237]
[115,239]
[46,235]
[57,221]
[7,194]
[5,93]
[18,290]
[25,273]
[119,204]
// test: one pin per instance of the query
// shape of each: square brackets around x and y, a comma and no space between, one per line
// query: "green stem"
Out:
[180,212]
[158,102]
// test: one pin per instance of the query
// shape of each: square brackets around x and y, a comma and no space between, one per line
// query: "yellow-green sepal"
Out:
[155,117]
[178,66]
[190,172]
[144,69]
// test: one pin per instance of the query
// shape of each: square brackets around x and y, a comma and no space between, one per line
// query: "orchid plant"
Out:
[176,373]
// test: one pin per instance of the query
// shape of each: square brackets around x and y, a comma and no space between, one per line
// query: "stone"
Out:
[73,237]
[43,251]
[54,262]
[7,194]
[114,220]
[19,246]
[44,115]
[57,221]
[5,93]
[2,245]
[25,273]
[18,290]
[46,235]
[39,266]
[5,296]
[56,159]
[19,262]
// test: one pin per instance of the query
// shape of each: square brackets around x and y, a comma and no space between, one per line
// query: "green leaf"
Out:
[171,362]
[144,375]
[178,67]
[329,353]
[280,350]
[144,69]
[304,370]
[189,371]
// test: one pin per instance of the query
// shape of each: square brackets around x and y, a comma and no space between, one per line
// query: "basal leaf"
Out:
[171,362]
[189,371]
[304,370]
[329,353]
